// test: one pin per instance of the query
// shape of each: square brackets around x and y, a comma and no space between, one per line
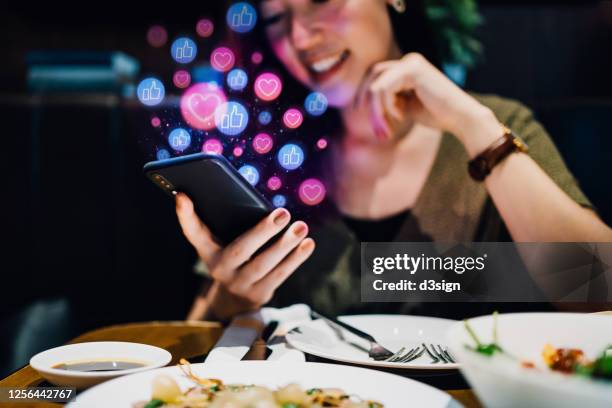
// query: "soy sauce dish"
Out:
[82,365]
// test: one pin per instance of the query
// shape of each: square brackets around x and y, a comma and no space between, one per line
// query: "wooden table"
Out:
[182,339]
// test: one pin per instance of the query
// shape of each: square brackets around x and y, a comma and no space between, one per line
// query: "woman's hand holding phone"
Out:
[243,278]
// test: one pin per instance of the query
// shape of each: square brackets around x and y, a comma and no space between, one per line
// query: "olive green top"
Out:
[450,208]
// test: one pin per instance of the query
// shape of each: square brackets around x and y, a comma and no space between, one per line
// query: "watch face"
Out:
[478,168]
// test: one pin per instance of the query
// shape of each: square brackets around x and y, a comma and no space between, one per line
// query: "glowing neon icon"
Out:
[222,59]
[279,200]
[237,79]
[322,143]
[264,117]
[184,50]
[150,91]
[163,154]
[311,191]
[181,79]
[179,139]
[256,57]
[155,121]
[293,118]
[274,183]
[231,118]
[157,36]
[199,103]
[241,17]
[238,151]
[212,146]
[262,143]
[268,86]
[290,156]
[205,28]
[316,104]
[250,174]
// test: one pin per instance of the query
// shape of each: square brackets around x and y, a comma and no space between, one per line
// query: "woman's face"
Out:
[329,45]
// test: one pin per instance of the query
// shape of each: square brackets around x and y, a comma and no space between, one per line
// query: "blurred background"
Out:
[88,241]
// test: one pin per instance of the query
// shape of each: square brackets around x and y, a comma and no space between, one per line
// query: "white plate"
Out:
[391,390]
[392,331]
[152,357]
[502,382]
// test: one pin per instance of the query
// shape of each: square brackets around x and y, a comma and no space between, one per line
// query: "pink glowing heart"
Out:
[293,118]
[262,143]
[222,59]
[268,86]
[205,28]
[198,105]
[212,146]
[181,79]
[311,191]
[274,183]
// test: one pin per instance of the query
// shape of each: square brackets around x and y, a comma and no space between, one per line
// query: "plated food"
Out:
[563,360]
[285,381]
[213,393]
[536,360]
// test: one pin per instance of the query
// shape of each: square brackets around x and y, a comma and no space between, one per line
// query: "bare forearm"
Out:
[533,206]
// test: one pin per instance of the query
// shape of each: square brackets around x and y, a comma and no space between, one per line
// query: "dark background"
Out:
[88,241]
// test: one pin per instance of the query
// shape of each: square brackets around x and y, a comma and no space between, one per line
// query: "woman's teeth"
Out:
[326,64]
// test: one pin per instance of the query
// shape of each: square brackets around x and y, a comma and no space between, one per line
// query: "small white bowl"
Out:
[502,382]
[150,356]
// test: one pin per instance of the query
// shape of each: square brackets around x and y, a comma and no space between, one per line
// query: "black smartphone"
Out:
[223,199]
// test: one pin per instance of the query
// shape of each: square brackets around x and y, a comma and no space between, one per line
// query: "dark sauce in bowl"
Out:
[97,366]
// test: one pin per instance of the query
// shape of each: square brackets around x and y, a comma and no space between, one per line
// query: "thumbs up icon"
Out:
[183,50]
[150,91]
[231,118]
[316,104]
[241,17]
[291,156]
[237,79]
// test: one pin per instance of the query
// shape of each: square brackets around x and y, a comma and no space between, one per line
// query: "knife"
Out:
[259,349]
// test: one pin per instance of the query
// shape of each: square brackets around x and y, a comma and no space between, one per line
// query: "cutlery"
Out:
[376,351]
[259,349]
[441,354]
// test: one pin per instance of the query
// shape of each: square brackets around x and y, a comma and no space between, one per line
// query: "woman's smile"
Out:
[325,68]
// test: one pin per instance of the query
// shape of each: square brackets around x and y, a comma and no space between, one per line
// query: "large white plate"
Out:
[392,331]
[391,390]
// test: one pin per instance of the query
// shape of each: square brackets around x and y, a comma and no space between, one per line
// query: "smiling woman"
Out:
[404,136]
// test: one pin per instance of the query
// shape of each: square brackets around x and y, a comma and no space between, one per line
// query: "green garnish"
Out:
[154,403]
[313,390]
[486,349]
[290,405]
[214,388]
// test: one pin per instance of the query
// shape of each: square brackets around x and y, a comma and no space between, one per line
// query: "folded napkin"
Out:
[246,328]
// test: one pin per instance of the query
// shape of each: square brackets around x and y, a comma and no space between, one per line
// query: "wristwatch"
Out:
[480,166]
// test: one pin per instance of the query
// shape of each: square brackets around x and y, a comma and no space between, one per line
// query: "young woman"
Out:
[400,165]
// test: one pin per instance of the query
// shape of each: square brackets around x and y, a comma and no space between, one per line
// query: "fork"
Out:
[376,351]
[439,355]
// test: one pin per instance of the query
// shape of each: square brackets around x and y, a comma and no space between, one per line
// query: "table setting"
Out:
[350,361]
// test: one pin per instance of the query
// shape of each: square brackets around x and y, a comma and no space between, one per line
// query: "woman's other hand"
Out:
[244,280]
[399,92]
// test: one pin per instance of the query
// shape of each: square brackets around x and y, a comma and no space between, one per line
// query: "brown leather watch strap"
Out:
[480,166]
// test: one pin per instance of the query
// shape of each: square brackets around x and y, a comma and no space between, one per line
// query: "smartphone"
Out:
[223,199]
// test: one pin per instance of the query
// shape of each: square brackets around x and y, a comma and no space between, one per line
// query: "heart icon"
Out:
[293,118]
[274,183]
[262,143]
[312,191]
[223,59]
[181,78]
[267,86]
[203,106]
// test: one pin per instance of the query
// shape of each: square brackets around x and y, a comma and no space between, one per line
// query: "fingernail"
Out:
[301,229]
[281,217]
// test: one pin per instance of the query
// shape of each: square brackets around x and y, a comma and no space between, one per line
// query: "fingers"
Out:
[242,248]
[263,263]
[194,229]
[265,288]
